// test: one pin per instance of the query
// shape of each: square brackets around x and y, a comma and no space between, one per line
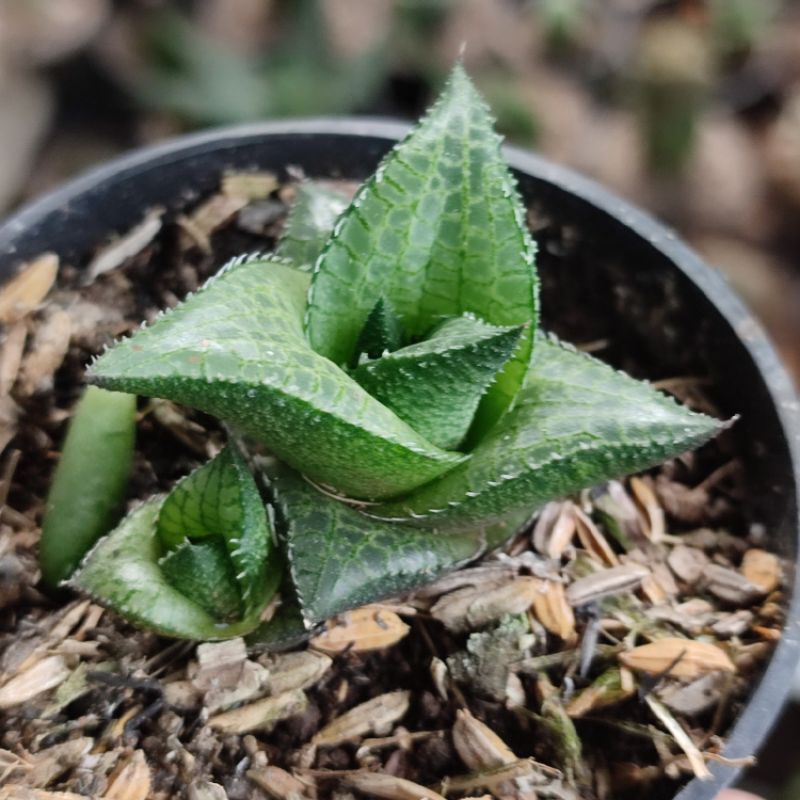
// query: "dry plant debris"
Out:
[642,609]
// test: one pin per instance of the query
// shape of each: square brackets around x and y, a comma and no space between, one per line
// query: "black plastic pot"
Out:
[735,352]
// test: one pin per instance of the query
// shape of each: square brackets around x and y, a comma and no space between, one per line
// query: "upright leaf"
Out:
[86,498]
[439,230]
[309,224]
[577,422]
[204,572]
[436,385]
[221,500]
[237,350]
[381,333]
[339,558]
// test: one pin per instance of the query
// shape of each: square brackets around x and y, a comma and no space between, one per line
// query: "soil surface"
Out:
[92,706]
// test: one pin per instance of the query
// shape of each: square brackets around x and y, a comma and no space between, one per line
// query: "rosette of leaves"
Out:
[387,356]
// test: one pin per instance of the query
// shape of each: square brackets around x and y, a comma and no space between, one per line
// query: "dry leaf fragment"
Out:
[198,226]
[734,624]
[440,676]
[249,185]
[688,563]
[50,763]
[770,634]
[20,295]
[205,790]
[685,658]
[682,738]
[490,778]
[650,509]
[40,677]
[17,792]
[127,246]
[606,582]
[378,784]
[11,356]
[731,586]
[277,783]
[606,690]
[693,698]
[592,540]
[552,609]
[762,569]
[299,670]
[474,607]
[620,515]
[182,694]
[9,413]
[48,350]
[374,716]
[555,529]
[219,663]
[489,575]
[366,628]
[226,676]
[263,715]
[478,746]
[132,782]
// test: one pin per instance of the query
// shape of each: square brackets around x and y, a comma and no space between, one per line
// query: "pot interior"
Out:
[646,300]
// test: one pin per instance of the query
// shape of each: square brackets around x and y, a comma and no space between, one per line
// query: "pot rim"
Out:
[761,711]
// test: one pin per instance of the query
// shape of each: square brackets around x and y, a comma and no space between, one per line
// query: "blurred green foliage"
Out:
[203,82]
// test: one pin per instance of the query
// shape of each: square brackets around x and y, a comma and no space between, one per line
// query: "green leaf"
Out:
[205,572]
[577,422]
[436,385]
[236,349]
[85,500]
[221,500]
[123,574]
[309,224]
[439,230]
[381,332]
[339,558]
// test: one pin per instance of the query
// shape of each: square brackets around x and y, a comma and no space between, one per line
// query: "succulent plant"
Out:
[393,410]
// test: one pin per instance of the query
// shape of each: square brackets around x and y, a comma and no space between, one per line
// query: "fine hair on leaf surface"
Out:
[388,358]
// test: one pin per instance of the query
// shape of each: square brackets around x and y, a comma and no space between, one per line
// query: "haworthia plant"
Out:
[413,414]
[196,564]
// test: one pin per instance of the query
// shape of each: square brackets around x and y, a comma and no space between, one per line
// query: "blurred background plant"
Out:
[688,107]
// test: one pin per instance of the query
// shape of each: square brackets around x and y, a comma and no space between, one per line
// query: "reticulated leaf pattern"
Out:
[220,500]
[339,558]
[437,384]
[236,349]
[414,337]
[577,422]
[438,231]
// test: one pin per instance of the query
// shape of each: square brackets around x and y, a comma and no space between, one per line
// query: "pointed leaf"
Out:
[309,224]
[122,573]
[205,573]
[439,230]
[577,422]
[236,349]
[339,558]
[221,500]
[436,385]
[381,332]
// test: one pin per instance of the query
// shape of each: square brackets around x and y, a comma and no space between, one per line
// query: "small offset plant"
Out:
[393,410]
